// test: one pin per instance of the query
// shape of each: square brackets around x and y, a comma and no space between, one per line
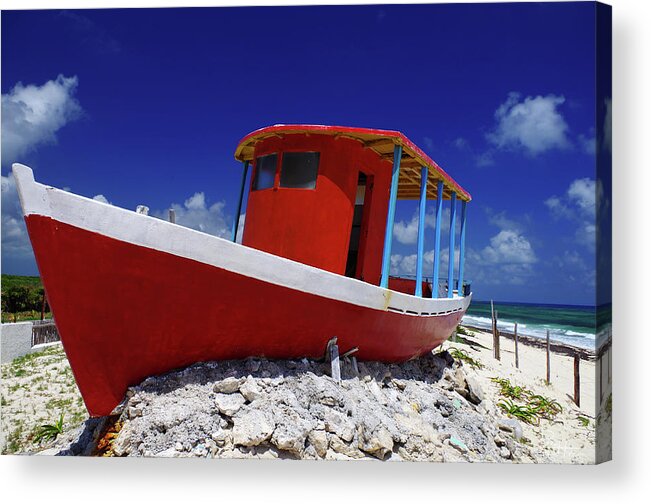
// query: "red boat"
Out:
[135,296]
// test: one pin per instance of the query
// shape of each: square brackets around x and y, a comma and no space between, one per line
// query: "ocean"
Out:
[574,325]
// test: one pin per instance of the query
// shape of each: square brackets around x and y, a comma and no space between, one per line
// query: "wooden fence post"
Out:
[577,380]
[548,360]
[43,305]
[496,336]
[515,334]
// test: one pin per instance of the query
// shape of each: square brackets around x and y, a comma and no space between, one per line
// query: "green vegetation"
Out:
[523,412]
[22,298]
[511,391]
[585,421]
[533,407]
[463,330]
[49,432]
[58,403]
[13,440]
[9,281]
[35,389]
[463,356]
[21,365]
[544,407]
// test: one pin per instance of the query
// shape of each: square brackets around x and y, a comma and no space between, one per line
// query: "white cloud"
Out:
[101,198]
[195,213]
[396,259]
[406,265]
[533,124]
[502,221]
[240,228]
[558,208]
[485,159]
[578,201]
[574,268]
[509,247]
[15,241]
[582,193]
[508,258]
[406,232]
[586,234]
[461,143]
[32,115]
[579,204]
[588,144]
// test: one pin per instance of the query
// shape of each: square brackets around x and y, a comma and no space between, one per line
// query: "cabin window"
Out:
[299,170]
[265,172]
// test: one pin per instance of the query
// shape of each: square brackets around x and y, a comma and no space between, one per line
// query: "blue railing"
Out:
[442,291]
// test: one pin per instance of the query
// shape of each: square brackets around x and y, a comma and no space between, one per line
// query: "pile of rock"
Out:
[425,409]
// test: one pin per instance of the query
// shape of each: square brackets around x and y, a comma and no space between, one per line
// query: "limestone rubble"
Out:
[425,409]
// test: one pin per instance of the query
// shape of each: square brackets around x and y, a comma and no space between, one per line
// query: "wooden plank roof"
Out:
[380,141]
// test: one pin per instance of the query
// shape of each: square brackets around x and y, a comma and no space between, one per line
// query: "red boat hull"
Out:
[126,312]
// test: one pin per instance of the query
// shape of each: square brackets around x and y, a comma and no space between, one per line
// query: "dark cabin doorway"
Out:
[358,227]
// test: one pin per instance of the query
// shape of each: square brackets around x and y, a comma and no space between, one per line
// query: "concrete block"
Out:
[15,340]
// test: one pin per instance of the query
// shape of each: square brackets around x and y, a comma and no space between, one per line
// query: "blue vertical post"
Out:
[421,232]
[437,239]
[462,247]
[391,214]
[453,221]
[236,222]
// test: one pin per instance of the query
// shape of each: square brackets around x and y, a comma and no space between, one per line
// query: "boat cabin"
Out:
[326,196]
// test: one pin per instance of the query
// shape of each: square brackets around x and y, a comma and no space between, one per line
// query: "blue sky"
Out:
[146,106]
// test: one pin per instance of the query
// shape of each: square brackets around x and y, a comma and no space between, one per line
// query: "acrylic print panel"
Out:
[255,305]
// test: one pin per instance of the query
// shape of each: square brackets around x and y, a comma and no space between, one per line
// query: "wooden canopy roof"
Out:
[380,141]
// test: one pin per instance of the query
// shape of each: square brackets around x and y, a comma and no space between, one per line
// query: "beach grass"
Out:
[463,356]
[40,401]
[532,407]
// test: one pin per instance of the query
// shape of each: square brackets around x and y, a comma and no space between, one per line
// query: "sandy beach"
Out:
[568,437]
[35,390]
[533,365]
[565,438]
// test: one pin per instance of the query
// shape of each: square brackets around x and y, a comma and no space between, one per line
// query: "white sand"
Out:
[564,440]
[35,390]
